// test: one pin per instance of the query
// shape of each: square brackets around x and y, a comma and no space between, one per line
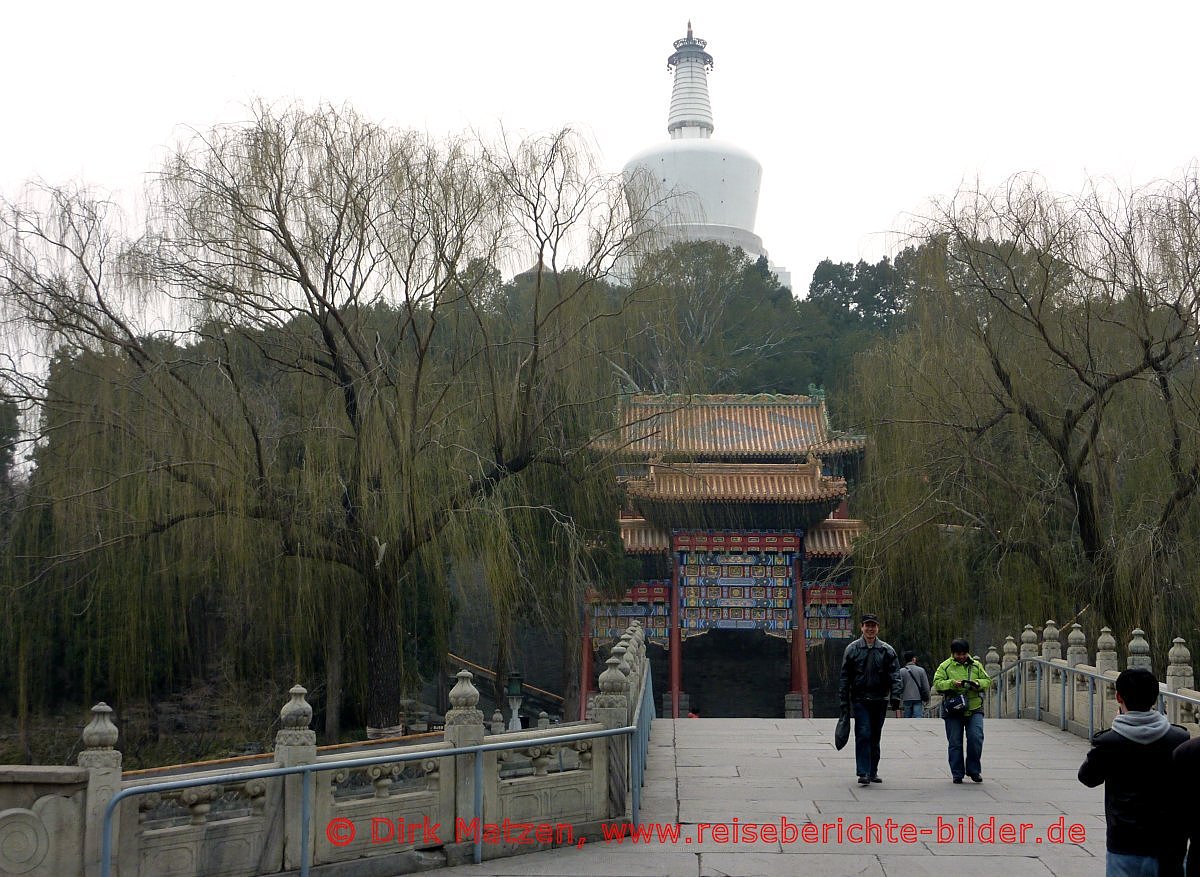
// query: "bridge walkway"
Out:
[731,772]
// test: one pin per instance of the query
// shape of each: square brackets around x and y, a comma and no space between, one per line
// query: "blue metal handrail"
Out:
[643,716]
[306,769]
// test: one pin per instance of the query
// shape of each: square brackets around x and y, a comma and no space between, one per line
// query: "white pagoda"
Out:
[710,187]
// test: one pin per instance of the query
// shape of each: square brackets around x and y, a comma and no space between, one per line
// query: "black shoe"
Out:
[958,781]
[976,778]
[862,781]
[876,779]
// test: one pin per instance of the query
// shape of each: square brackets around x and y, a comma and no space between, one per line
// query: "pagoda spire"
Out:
[691,110]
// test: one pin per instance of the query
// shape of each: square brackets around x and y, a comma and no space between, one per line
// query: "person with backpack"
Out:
[915,695]
[961,679]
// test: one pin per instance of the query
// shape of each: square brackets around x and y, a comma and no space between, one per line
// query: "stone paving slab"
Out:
[760,865]
[767,770]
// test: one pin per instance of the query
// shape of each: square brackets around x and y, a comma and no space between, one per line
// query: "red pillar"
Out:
[799,652]
[676,639]
[585,683]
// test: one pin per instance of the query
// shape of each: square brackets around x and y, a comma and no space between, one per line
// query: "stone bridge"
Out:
[720,779]
[717,796]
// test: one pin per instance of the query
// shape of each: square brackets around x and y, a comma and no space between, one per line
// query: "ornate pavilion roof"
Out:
[732,462]
[641,537]
[738,483]
[767,496]
[728,427]
[831,537]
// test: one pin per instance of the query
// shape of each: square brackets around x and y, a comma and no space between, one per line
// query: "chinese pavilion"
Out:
[736,520]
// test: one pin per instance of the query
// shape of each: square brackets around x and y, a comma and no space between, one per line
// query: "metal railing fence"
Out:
[639,750]
[1008,697]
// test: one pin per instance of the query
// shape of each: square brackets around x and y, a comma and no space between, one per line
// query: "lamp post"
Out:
[514,700]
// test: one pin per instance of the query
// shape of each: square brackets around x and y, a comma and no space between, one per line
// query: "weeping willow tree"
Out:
[349,406]
[1036,452]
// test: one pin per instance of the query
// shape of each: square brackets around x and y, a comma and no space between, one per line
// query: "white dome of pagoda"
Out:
[711,187]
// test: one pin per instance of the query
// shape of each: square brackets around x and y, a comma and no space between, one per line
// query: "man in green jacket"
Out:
[962,674]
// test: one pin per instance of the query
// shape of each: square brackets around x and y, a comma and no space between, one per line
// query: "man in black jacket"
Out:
[870,684]
[1133,760]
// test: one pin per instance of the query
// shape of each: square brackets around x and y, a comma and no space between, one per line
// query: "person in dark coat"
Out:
[1186,759]
[915,691]
[870,684]
[1133,760]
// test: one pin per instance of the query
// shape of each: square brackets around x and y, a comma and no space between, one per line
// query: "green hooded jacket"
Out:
[950,671]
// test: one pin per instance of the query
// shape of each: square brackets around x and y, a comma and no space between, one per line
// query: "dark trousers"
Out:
[868,728]
[972,728]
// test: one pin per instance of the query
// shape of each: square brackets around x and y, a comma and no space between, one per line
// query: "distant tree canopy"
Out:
[1035,451]
[849,308]
[873,296]
[715,321]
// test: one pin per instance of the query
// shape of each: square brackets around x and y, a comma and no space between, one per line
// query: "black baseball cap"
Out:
[868,618]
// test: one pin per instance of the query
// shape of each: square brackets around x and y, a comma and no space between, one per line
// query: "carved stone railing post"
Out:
[991,664]
[639,639]
[622,651]
[498,726]
[1180,675]
[1051,647]
[612,709]
[1029,650]
[464,727]
[634,655]
[1106,651]
[1106,662]
[991,661]
[638,634]
[1077,651]
[1051,679]
[295,743]
[1009,658]
[103,763]
[1139,651]
[1029,646]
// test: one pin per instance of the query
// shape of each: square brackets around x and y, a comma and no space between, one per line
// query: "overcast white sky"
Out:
[859,112]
